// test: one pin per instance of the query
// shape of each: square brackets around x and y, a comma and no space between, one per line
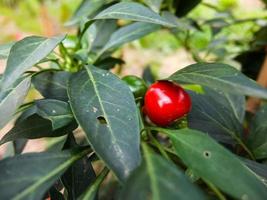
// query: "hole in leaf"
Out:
[207,154]
[101,120]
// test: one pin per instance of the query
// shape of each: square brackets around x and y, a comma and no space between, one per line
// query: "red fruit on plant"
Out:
[165,102]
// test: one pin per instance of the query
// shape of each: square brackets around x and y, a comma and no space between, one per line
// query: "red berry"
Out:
[165,102]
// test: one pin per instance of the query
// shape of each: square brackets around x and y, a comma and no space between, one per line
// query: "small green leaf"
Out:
[29,176]
[212,162]
[220,77]
[105,109]
[24,54]
[52,84]
[157,179]
[133,11]
[129,33]
[35,127]
[58,112]
[5,49]
[11,99]
[258,137]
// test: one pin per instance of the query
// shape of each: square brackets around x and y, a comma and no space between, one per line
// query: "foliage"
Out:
[205,155]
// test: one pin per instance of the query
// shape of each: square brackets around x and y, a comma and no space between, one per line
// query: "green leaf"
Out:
[135,12]
[29,176]
[80,175]
[129,33]
[5,49]
[220,77]
[217,111]
[35,127]
[86,8]
[52,84]
[259,168]
[213,163]
[184,7]
[91,191]
[157,179]
[11,99]
[154,4]
[258,137]
[98,34]
[58,112]
[108,63]
[105,109]
[24,54]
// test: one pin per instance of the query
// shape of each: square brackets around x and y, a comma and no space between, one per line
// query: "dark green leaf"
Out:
[19,145]
[109,63]
[148,75]
[212,162]
[35,127]
[5,49]
[185,6]
[259,168]
[55,194]
[91,192]
[129,33]
[52,84]
[157,179]
[24,54]
[11,99]
[133,11]
[80,175]
[86,8]
[105,108]
[58,112]
[220,77]
[218,112]
[258,136]
[29,176]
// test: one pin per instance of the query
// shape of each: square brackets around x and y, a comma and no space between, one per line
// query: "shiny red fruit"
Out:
[165,102]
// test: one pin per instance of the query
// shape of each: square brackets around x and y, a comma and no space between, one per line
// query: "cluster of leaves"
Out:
[148,162]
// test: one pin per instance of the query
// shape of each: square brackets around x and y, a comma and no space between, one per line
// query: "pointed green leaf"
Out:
[29,176]
[11,99]
[25,53]
[129,33]
[258,136]
[219,76]
[158,179]
[58,112]
[133,11]
[212,162]
[105,109]
[52,84]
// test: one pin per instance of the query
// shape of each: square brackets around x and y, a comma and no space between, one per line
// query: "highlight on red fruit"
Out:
[165,102]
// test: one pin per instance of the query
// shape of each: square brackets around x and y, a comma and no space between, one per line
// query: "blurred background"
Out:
[226,32]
